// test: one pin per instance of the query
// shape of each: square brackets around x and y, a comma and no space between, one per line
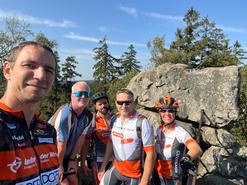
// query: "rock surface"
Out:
[214,90]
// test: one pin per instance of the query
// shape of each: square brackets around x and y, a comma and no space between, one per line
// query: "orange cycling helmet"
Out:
[167,102]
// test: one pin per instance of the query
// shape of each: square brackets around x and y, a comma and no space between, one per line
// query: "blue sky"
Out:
[77,25]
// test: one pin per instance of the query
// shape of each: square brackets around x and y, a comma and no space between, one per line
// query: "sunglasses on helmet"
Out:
[82,94]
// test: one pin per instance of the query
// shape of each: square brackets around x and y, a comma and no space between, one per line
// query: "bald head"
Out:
[78,86]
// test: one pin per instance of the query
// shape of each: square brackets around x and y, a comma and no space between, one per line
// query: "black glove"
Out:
[187,165]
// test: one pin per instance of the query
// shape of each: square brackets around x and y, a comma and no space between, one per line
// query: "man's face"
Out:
[31,76]
[168,116]
[124,104]
[102,106]
[80,96]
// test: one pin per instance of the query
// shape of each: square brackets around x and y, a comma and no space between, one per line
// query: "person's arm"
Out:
[148,167]
[84,152]
[107,156]
[194,150]
[61,148]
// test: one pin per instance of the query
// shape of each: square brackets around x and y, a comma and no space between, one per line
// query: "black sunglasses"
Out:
[168,110]
[124,102]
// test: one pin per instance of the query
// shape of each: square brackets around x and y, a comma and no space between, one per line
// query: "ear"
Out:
[7,70]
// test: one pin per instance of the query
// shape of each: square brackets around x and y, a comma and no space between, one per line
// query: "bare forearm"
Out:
[61,148]
[148,167]
[78,146]
[108,155]
[84,151]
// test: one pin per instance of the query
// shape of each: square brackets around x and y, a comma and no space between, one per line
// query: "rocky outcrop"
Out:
[208,96]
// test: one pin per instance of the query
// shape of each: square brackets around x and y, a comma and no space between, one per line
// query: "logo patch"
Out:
[45,140]
[11,126]
[15,165]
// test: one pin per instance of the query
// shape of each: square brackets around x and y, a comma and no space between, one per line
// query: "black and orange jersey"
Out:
[27,155]
[102,136]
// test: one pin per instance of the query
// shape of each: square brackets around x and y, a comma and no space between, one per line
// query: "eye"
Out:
[30,65]
[50,70]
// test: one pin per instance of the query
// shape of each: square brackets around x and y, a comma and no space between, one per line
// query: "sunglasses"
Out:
[82,94]
[124,102]
[168,110]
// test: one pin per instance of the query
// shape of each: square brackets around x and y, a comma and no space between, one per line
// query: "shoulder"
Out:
[141,116]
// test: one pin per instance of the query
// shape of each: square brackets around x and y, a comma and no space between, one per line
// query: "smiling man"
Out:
[72,123]
[28,153]
[131,135]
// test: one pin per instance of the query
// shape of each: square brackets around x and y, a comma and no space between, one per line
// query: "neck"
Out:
[105,116]
[29,109]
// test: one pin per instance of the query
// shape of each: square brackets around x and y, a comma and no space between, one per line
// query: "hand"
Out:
[143,182]
[72,165]
[60,173]
[187,165]
[85,170]
[101,173]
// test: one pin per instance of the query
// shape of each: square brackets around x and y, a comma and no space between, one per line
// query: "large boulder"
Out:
[213,89]
[208,96]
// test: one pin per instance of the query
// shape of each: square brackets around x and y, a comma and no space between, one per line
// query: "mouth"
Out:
[37,86]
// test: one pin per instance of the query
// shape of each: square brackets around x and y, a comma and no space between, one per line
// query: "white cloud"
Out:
[232,29]
[73,36]
[36,20]
[131,11]
[164,17]
[82,55]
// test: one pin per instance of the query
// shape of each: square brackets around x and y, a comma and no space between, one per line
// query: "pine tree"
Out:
[68,75]
[128,62]
[105,69]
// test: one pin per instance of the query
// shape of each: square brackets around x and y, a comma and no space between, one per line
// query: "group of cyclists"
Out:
[124,148]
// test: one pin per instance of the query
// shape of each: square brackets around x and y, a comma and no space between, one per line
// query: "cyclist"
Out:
[100,134]
[128,144]
[171,144]
[72,122]
[28,153]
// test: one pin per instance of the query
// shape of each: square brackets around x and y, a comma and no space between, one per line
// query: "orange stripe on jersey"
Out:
[168,146]
[191,140]
[128,168]
[47,155]
[117,134]
[164,168]
[148,148]
[18,163]
[126,141]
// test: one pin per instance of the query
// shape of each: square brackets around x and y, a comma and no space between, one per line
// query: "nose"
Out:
[40,73]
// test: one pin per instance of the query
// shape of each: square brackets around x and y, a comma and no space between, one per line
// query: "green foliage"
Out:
[105,69]
[200,44]
[240,130]
[128,61]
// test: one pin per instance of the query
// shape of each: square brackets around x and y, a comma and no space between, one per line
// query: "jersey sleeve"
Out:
[147,135]
[185,137]
[63,124]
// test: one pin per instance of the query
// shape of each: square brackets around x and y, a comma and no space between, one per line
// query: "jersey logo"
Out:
[11,126]
[45,140]
[15,165]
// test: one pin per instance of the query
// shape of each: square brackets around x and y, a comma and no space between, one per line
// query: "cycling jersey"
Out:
[170,146]
[127,146]
[27,155]
[70,127]
[102,136]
